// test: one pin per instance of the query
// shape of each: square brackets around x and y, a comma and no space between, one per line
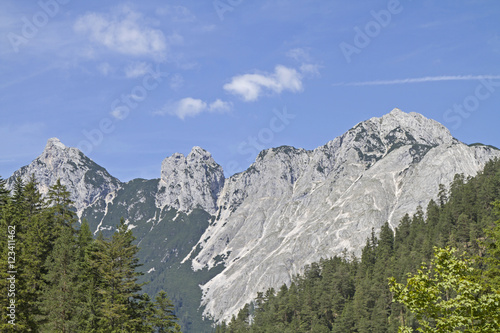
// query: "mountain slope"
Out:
[293,207]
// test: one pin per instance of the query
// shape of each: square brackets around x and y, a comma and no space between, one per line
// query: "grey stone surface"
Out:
[293,207]
[190,182]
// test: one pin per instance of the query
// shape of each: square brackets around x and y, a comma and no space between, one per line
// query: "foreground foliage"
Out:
[65,280]
[449,297]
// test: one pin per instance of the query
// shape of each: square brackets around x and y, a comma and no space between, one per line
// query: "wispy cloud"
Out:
[299,54]
[419,80]
[176,13]
[191,107]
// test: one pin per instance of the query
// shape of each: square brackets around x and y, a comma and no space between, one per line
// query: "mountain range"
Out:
[215,242]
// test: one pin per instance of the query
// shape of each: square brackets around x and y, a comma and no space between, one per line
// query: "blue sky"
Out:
[130,83]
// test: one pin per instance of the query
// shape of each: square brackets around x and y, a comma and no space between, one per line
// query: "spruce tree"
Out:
[119,287]
[36,247]
[91,285]
[163,318]
[60,298]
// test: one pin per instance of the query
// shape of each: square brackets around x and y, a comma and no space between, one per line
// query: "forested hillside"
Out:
[346,294]
[56,277]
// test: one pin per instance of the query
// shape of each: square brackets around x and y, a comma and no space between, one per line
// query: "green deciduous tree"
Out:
[446,297]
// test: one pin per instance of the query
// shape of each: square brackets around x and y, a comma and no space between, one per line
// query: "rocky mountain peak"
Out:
[396,111]
[56,152]
[377,137]
[54,144]
[86,180]
[414,126]
[198,154]
[188,182]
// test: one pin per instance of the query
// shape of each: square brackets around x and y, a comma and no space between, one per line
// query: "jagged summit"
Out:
[188,182]
[57,157]
[396,111]
[54,143]
[414,126]
[199,153]
[55,151]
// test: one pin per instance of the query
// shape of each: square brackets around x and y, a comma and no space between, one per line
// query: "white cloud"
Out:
[220,106]
[136,69]
[125,32]
[420,80]
[251,86]
[191,107]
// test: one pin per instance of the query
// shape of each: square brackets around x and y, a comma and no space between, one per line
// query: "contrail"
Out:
[419,80]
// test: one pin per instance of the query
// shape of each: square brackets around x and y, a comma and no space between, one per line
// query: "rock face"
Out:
[87,181]
[290,208]
[293,207]
[190,182]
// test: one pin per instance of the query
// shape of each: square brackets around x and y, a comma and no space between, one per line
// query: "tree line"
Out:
[56,277]
[438,271]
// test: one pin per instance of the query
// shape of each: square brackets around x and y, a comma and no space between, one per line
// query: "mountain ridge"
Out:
[289,208]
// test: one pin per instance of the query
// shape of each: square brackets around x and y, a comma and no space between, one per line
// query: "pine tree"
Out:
[36,247]
[60,298]
[163,319]
[88,277]
[91,284]
[119,287]
[442,195]
[62,212]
